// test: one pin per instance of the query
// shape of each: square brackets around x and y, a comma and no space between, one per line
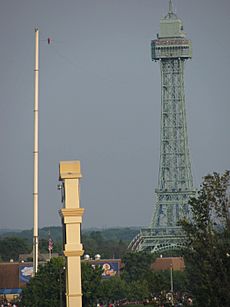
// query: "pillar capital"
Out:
[69,170]
[69,212]
[73,253]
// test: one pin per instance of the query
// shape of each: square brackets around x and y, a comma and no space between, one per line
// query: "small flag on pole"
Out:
[50,245]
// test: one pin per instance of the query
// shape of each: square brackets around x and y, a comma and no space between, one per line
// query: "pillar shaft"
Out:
[71,215]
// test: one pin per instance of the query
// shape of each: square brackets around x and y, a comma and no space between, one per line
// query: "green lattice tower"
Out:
[175,183]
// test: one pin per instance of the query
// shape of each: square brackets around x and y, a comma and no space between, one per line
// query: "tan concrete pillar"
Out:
[71,215]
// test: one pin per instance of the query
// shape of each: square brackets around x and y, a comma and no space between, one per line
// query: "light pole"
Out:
[171,284]
[171,278]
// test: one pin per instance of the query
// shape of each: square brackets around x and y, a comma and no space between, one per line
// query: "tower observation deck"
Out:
[175,183]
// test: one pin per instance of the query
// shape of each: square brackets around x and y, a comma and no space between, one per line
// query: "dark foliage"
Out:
[10,248]
[94,243]
[208,256]
[136,266]
[47,288]
[109,243]
[91,281]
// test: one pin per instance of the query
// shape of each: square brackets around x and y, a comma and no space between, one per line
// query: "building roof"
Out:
[9,277]
[10,291]
[41,257]
[167,263]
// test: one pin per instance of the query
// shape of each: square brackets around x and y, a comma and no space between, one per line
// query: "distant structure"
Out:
[175,182]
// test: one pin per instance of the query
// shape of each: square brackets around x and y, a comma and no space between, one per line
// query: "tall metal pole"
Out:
[171,284]
[35,153]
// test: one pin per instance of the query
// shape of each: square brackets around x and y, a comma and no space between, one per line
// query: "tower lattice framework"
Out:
[175,183]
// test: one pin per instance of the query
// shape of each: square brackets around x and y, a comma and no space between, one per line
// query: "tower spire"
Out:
[170,7]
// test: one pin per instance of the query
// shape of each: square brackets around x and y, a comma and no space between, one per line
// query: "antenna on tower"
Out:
[170,7]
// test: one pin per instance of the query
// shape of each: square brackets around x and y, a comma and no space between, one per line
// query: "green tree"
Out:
[94,243]
[113,289]
[180,281]
[137,266]
[91,280]
[158,282]
[208,233]
[47,288]
[43,246]
[137,290]
[11,247]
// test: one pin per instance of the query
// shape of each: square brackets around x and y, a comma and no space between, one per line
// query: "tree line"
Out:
[109,243]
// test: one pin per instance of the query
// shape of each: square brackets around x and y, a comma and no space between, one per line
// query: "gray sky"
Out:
[100,103]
